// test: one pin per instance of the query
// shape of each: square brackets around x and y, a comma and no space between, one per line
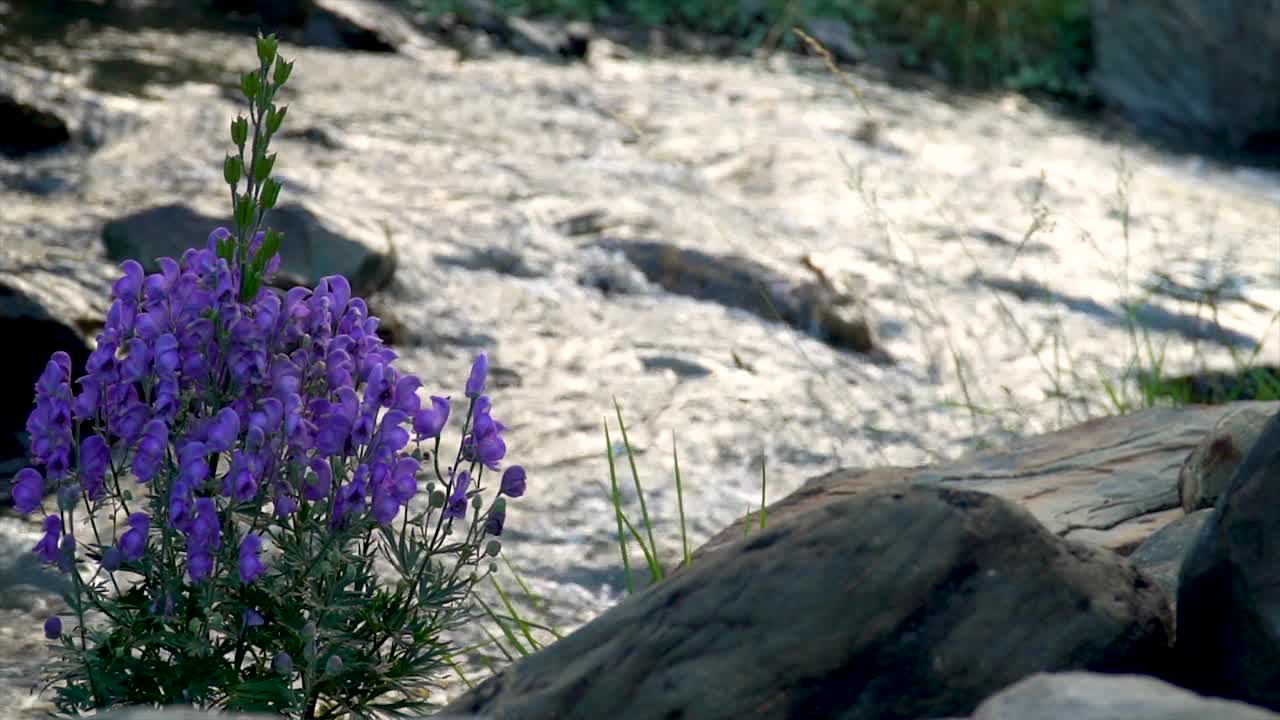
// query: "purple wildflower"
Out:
[475,381]
[513,482]
[199,564]
[318,481]
[456,507]
[47,548]
[28,490]
[429,422]
[134,542]
[223,430]
[150,452]
[250,565]
[95,458]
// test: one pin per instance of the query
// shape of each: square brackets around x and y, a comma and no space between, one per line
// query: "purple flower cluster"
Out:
[219,404]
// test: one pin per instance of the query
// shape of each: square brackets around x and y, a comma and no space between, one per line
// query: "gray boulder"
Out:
[1229,589]
[906,602]
[310,249]
[1205,72]
[1089,696]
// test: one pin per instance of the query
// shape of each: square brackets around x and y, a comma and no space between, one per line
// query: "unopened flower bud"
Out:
[250,83]
[239,130]
[333,665]
[267,49]
[476,502]
[282,663]
[231,169]
[53,627]
[492,548]
[309,630]
[437,499]
[281,74]
[68,497]
[309,651]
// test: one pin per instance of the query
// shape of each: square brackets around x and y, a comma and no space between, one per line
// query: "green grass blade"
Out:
[617,508]
[763,480]
[650,558]
[635,475]
[539,603]
[458,671]
[496,643]
[506,631]
[684,535]
[515,615]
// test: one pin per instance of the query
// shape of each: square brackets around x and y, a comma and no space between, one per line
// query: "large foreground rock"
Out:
[1089,696]
[311,249]
[1198,71]
[912,602]
[1229,590]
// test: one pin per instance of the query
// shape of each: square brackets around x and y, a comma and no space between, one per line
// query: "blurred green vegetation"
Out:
[1030,45]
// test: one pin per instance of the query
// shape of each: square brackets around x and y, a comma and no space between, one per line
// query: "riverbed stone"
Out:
[311,248]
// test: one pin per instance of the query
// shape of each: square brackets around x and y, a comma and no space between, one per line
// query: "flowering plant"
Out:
[245,457]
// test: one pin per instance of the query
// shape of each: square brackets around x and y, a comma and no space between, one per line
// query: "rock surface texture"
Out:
[908,602]
[1162,555]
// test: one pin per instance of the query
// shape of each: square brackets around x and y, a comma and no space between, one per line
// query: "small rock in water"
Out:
[29,130]
[314,250]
